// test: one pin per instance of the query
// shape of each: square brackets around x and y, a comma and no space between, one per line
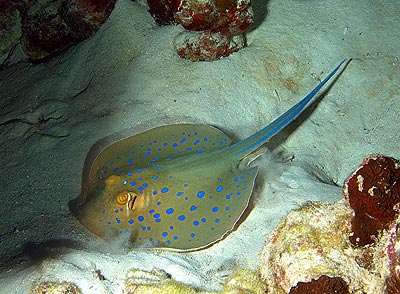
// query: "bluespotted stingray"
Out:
[180,187]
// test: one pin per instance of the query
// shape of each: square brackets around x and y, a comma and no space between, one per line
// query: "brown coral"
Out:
[373,192]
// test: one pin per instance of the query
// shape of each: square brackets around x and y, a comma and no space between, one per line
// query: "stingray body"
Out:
[180,187]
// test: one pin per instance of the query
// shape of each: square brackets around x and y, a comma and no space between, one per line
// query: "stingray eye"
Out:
[122,198]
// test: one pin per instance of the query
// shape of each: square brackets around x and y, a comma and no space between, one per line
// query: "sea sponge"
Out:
[373,192]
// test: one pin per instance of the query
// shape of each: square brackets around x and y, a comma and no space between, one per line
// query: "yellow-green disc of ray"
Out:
[148,148]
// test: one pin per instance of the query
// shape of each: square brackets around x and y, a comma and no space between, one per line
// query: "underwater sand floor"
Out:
[127,78]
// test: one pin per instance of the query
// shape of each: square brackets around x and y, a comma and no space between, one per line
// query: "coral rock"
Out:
[206,46]
[323,284]
[10,29]
[163,11]
[216,27]
[373,192]
[54,288]
[49,27]
[313,241]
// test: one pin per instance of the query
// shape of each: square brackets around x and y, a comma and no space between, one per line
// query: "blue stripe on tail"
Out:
[273,128]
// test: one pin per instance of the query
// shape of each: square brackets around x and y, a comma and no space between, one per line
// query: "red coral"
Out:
[217,23]
[373,192]
[323,284]
[163,10]
[52,26]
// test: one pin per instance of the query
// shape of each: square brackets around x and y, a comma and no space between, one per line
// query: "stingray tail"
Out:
[252,143]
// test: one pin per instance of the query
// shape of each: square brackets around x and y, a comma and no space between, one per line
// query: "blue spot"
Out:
[121,209]
[170,211]
[145,185]
[175,238]
[130,160]
[148,228]
[140,188]
[203,220]
[200,194]
[171,227]
[181,217]
[186,185]
[154,192]
[158,203]
[211,197]
[158,220]
[205,139]
[109,223]
[156,215]
[164,190]
[238,193]
[196,142]
[219,188]
[116,210]
[182,140]
[143,228]
[155,177]
[227,208]
[169,242]
[192,235]
[130,221]
[140,179]
[199,151]
[164,234]
[217,220]
[179,194]
[189,149]
[129,173]
[138,170]
[236,179]
[133,184]
[115,169]
[196,223]
[126,231]
[212,229]
[117,220]
[193,207]
[215,209]
[175,145]
[165,144]
[151,211]
[158,168]
[147,154]
[140,218]
[103,211]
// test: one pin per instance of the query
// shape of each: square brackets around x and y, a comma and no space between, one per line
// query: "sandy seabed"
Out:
[128,78]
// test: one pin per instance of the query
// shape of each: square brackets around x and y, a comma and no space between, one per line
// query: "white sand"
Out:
[128,76]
